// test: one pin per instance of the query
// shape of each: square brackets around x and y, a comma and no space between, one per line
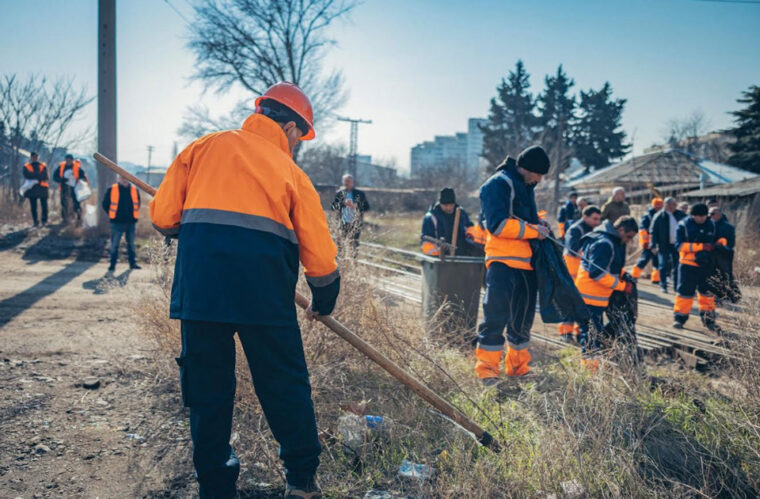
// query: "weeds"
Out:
[610,434]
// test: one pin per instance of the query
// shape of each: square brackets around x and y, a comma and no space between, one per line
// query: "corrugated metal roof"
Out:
[672,166]
[738,189]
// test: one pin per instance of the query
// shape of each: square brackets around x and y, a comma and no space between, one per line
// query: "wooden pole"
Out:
[357,342]
[455,230]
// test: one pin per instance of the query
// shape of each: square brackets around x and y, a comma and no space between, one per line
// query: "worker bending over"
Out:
[591,218]
[600,274]
[509,208]
[245,214]
[645,243]
[438,223]
[568,214]
[696,237]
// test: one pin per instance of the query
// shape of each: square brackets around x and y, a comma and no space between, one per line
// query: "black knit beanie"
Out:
[699,210]
[447,196]
[534,159]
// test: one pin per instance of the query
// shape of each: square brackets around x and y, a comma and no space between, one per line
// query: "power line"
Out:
[175,9]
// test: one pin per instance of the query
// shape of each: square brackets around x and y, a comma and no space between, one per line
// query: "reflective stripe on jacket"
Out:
[646,221]
[573,239]
[602,265]
[691,238]
[438,224]
[502,197]
[114,201]
[245,214]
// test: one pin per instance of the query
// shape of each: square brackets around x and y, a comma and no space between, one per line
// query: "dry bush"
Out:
[747,260]
[613,433]
[14,211]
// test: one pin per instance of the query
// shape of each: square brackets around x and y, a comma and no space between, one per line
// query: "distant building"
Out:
[371,175]
[462,148]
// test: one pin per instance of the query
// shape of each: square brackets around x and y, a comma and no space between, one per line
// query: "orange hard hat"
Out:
[288,94]
[657,203]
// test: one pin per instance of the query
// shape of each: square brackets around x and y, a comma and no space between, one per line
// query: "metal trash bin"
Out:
[451,290]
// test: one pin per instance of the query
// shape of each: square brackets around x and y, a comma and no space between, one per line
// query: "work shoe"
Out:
[664,291]
[134,266]
[311,491]
[111,268]
[677,325]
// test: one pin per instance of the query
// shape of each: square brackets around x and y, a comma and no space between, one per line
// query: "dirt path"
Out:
[59,325]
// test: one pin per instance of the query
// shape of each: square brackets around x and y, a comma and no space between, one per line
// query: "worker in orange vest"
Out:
[122,203]
[591,217]
[245,214]
[37,172]
[68,173]
[600,273]
[645,240]
[512,220]
[696,237]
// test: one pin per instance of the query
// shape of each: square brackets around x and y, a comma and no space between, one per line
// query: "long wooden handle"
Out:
[455,230]
[365,348]
[407,379]
[124,173]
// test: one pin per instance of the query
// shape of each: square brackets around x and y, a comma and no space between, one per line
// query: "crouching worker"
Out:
[645,241]
[438,223]
[695,240]
[591,218]
[245,214]
[509,209]
[599,275]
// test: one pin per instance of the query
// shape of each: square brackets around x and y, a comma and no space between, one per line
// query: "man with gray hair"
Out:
[615,207]
[350,204]
[663,241]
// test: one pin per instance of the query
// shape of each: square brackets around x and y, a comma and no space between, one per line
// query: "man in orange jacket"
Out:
[245,215]
[511,218]
[600,274]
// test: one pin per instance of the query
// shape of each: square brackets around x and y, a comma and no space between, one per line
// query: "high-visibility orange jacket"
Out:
[573,238]
[477,234]
[644,235]
[602,265]
[244,214]
[37,171]
[691,238]
[504,198]
[75,167]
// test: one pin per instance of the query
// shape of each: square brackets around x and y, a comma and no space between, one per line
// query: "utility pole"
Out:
[353,145]
[106,97]
[147,170]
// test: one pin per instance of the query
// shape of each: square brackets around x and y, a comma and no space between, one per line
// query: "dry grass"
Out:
[615,433]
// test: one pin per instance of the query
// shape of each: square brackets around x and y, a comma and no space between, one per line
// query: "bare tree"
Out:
[324,163]
[449,173]
[685,132]
[253,44]
[39,115]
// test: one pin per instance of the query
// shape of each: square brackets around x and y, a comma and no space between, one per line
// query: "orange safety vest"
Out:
[74,168]
[43,167]
[644,238]
[115,201]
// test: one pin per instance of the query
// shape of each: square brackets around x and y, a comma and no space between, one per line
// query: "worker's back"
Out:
[243,211]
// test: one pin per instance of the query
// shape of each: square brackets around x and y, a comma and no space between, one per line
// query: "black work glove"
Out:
[323,298]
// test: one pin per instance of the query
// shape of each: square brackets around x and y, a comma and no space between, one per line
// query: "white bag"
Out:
[90,218]
[82,191]
[28,184]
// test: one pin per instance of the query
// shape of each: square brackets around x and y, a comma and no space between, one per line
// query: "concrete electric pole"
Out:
[353,144]
[106,97]
[147,170]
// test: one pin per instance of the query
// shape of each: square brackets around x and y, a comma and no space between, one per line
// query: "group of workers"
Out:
[121,201]
[245,214]
[677,239]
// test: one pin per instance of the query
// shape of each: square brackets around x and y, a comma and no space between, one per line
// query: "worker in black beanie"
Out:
[696,237]
[509,208]
[438,223]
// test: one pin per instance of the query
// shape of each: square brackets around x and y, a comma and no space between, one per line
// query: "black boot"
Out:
[708,320]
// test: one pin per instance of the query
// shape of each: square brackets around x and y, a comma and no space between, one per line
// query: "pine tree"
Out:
[746,149]
[556,113]
[596,136]
[511,120]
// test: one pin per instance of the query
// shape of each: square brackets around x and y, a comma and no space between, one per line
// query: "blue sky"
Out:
[417,68]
